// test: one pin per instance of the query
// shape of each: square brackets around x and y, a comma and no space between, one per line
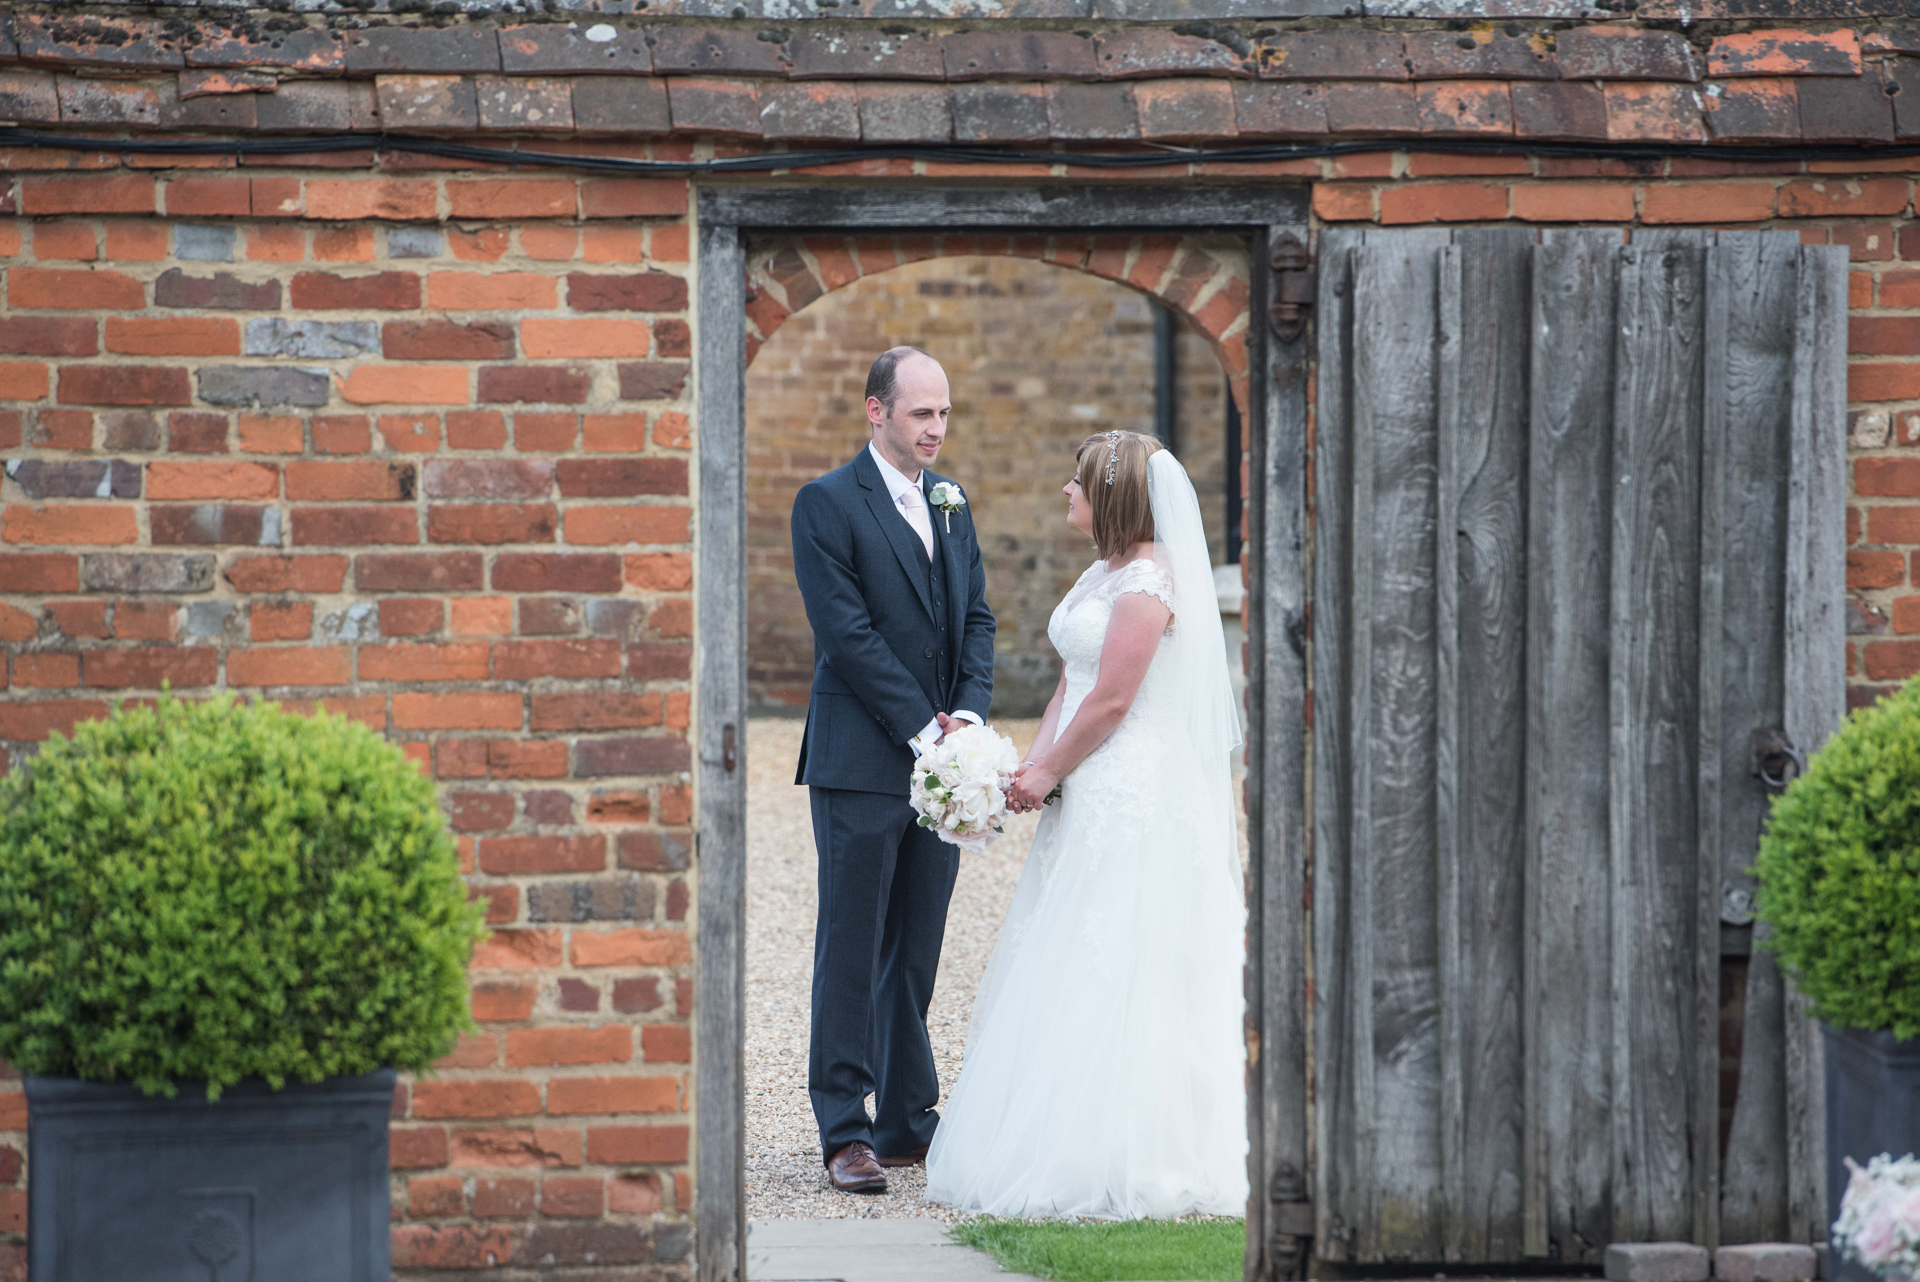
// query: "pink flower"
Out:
[1878,1239]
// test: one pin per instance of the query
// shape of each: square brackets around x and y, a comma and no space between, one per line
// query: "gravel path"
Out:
[784,1177]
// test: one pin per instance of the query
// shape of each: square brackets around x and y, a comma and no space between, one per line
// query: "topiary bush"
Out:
[225,890]
[1839,871]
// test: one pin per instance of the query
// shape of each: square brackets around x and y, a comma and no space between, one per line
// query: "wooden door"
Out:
[1578,540]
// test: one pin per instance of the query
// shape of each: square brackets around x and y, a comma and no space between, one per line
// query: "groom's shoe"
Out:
[854,1170]
[912,1157]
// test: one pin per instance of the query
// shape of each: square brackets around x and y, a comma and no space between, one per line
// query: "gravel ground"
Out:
[785,1179]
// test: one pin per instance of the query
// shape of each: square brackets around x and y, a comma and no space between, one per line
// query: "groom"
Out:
[903,653]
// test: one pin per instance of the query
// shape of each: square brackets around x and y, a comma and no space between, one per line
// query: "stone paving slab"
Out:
[861,1250]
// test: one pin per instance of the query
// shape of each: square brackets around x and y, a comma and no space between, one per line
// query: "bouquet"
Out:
[960,786]
[1879,1222]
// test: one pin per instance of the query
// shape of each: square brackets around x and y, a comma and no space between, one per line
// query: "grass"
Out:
[1119,1251]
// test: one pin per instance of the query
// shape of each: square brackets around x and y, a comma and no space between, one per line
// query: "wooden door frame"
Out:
[1276,633]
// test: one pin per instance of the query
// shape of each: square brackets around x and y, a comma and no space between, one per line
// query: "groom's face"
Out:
[909,435]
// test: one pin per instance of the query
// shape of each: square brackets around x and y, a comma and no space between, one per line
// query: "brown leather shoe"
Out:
[912,1157]
[854,1170]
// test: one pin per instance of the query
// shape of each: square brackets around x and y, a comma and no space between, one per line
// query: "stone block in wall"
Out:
[1765,1262]
[1000,112]
[820,111]
[699,104]
[524,102]
[1625,53]
[28,96]
[1558,109]
[905,113]
[142,572]
[1349,54]
[467,50]
[575,47]
[1656,1262]
[426,102]
[263,385]
[106,102]
[1030,55]
[243,42]
[1157,51]
[319,106]
[310,339]
[620,104]
[1094,113]
[865,51]
[1508,51]
[1859,109]
[111,42]
[719,51]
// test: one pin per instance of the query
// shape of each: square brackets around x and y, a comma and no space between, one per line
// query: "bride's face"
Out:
[1079,514]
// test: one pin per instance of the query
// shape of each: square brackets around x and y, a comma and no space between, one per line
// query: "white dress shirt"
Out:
[911,503]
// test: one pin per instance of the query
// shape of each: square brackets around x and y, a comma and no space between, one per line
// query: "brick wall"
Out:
[1038,357]
[413,447]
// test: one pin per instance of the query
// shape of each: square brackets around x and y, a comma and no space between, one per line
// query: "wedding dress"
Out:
[1105,1065]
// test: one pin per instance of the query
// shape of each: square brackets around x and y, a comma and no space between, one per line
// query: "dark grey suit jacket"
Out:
[890,646]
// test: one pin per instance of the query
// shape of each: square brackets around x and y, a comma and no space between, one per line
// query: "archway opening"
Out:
[1039,356]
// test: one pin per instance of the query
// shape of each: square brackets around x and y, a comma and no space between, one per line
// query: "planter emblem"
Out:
[220,1234]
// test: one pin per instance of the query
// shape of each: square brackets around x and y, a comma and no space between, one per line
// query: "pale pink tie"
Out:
[916,512]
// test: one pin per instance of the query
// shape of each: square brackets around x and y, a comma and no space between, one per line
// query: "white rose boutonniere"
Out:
[947,497]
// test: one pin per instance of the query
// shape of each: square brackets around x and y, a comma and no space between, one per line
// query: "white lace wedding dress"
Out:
[1105,1066]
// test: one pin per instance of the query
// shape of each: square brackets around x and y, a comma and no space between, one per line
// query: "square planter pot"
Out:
[258,1186]
[1873,1107]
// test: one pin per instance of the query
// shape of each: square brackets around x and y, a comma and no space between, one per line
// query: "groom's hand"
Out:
[947,724]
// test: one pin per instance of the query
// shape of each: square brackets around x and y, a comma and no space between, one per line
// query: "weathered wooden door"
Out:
[1578,553]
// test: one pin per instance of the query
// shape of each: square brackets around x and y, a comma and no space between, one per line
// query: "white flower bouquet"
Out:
[1879,1222]
[960,786]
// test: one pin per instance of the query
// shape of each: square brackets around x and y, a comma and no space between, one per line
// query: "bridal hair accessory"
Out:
[1113,453]
[947,497]
[960,786]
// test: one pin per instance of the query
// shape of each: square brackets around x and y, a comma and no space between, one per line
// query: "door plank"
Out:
[1567,1021]
[1815,655]
[1752,286]
[1396,1075]
[1333,1032]
[1654,739]
[1481,758]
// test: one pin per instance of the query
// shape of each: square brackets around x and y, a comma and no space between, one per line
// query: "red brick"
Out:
[49,335]
[412,1148]
[503,1002]
[575,1196]
[1884,335]
[323,291]
[124,385]
[630,997]
[635,947]
[1785,53]
[667,1043]
[626,523]
[17,624]
[1887,476]
[446,340]
[353,526]
[348,199]
[635,1145]
[1730,202]
[477,811]
[321,481]
[1867,570]
[633,198]
[48,287]
[672,431]
[487,292]
[418,572]
[343,244]
[32,721]
[497,198]
[475,430]
[598,337]
[548,384]
[544,433]
[280,620]
[433,1196]
[528,1047]
[1839,197]
[22,381]
[457,661]
[342,433]
[556,572]
[46,669]
[288,573]
[146,667]
[411,618]
[1443,202]
[514,949]
[406,385]
[63,429]
[70,523]
[1890,660]
[291,666]
[504,1198]
[481,1098]
[1883,382]
[509,759]
[209,197]
[72,242]
[546,1146]
[1654,113]
[428,1246]
[576,659]
[145,621]
[271,434]
[635,1194]
[470,711]
[212,481]
[600,710]
[491,523]
[1865,242]
[482,616]
[504,856]
[103,194]
[276,244]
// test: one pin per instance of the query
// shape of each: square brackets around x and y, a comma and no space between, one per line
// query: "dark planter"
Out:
[259,1186]
[1873,1107]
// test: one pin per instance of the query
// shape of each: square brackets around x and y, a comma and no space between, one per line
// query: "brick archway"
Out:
[1203,277]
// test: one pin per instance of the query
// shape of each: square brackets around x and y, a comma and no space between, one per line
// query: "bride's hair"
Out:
[1123,511]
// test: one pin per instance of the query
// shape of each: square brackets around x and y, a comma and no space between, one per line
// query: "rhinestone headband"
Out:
[1113,453]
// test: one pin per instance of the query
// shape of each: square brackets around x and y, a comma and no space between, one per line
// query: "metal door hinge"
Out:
[1294,287]
[1776,762]
[729,748]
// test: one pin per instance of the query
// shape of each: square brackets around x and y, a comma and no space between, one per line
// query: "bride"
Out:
[1105,1065]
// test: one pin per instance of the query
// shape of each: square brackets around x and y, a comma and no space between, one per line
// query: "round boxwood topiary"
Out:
[226,890]
[1839,871]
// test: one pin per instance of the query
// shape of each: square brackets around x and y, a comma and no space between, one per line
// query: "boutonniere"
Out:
[947,497]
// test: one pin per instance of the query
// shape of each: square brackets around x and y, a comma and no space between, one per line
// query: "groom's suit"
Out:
[898,635]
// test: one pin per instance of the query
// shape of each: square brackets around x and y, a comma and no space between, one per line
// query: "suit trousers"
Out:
[884,887]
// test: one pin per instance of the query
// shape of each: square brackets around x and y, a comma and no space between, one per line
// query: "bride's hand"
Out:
[1031,784]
